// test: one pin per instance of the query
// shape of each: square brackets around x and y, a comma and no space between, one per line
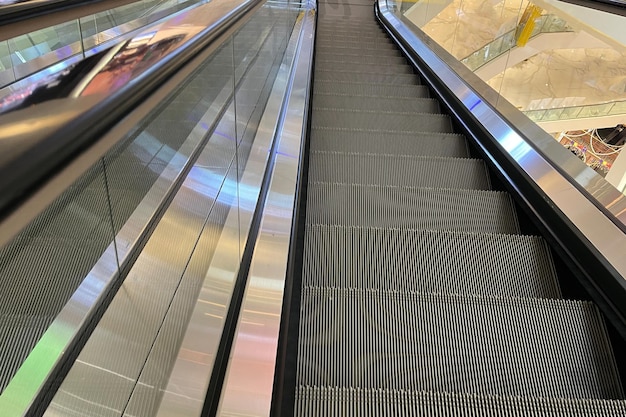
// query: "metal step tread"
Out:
[453,343]
[394,104]
[333,401]
[399,170]
[380,79]
[328,34]
[355,45]
[428,261]
[382,121]
[348,53]
[329,57]
[340,35]
[411,207]
[411,143]
[367,68]
[369,90]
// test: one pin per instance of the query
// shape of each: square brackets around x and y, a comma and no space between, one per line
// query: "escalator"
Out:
[158,271]
[420,294]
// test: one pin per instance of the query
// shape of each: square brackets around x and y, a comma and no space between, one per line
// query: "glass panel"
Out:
[141,170]
[557,64]
[259,47]
[106,26]
[40,49]
[6,66]
[45,264]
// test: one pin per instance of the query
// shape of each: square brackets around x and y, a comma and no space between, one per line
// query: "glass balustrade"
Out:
[27,55]
[562,65]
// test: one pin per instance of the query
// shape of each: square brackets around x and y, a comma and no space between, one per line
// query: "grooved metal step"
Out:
[355,45]
[398,170]
[367,68]
[366,89]
[322,50]
[414,208]
[428,261]
[367,77]
[395,104]
[409,143]
[447,343]
[362,59]
[331,35]
[333,402]
[379,121]
[342,33]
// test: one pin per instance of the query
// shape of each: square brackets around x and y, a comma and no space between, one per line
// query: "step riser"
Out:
[369,68]
[381,79]
[347,52]
[398,171]
[368,48]
[413,208]
[364,89]
[371,339]
[425,144]
[361,60]
[386,122]
[330,101]
[407,260]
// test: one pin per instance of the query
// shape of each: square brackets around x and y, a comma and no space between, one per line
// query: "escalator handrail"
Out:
[582,216]
[60,128]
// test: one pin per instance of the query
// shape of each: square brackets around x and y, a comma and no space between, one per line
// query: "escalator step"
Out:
[400,170]
[414,208]
[428,261]
[333,402]
[330,56]
[427,144]
[343,26]
[354,45]
[379,121]
[337,54]
[452,343]
[395,104]
[353,38]
[321,65]
[366,89]
[366,77]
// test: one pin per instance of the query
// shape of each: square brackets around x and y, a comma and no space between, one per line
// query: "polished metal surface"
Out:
[601,231]
[250,375]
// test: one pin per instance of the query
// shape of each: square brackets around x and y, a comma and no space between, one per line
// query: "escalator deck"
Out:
[420,296]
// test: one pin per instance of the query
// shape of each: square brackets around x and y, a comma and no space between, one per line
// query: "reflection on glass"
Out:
[28,54]
[43,48]
[559,64]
